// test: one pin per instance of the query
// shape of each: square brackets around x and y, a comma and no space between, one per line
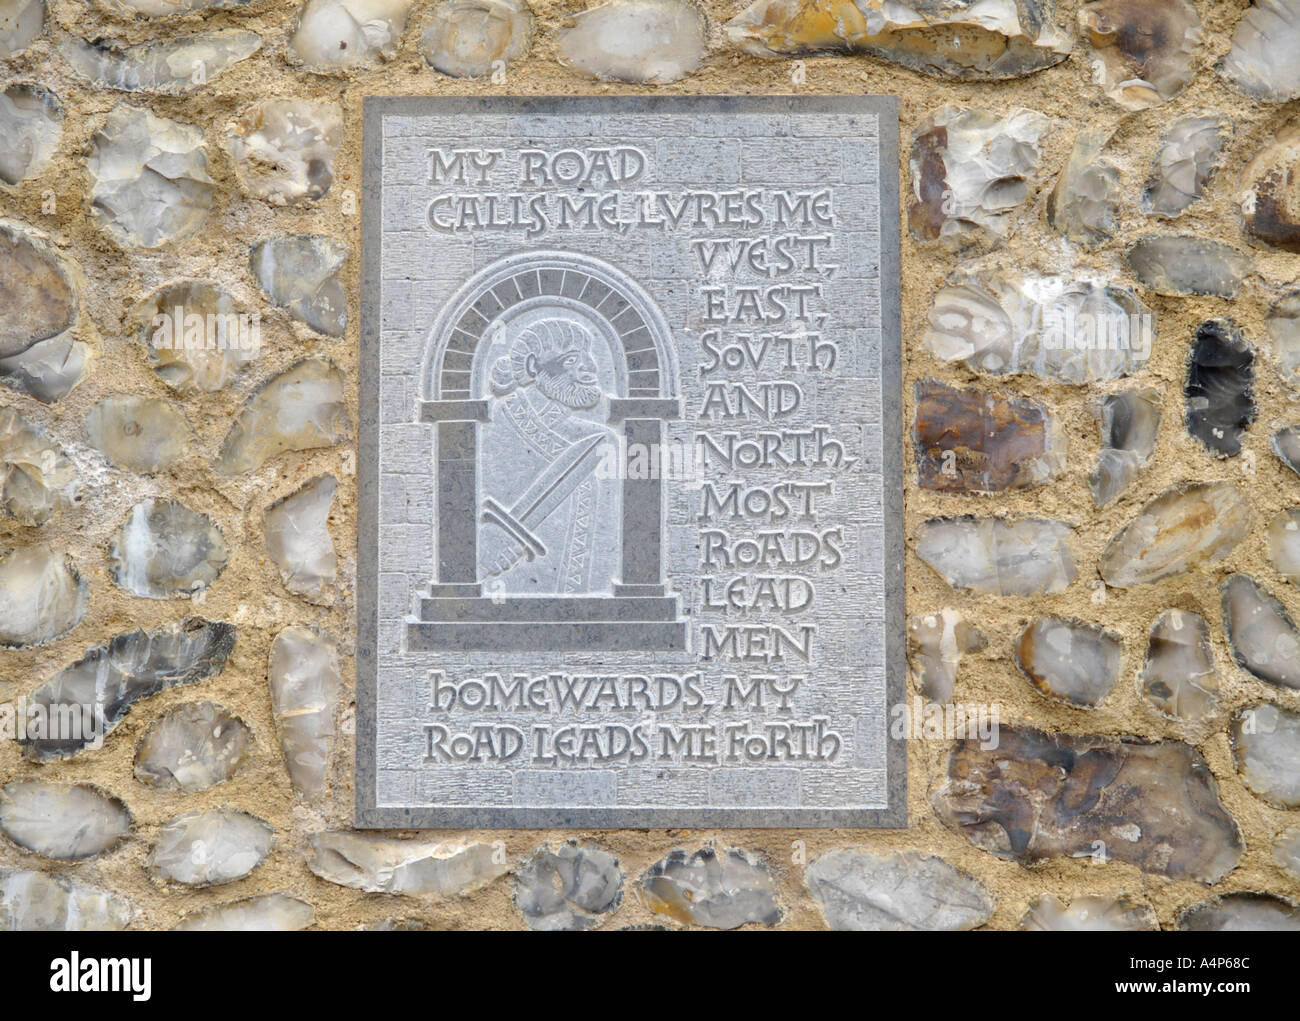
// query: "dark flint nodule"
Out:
[1220,387]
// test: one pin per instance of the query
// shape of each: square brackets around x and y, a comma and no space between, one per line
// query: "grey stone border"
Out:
[368,815]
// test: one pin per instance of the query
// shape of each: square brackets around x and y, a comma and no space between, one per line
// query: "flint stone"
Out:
[305,685]
[36,479]
[975,442]
[68,822]
[140,434]
[1188,265]
[472,38]
[149,179]
[1097,913]
[1180,530]
[300,274]
[716,892]
[31,125]
[997,557]
[1179,678]
[1262,635]
[188,363]
[192,748]
[1069,660]
[1189,155]
[900,892]
[413,867]
[131,666]
[1262,59]
[298,539]
[1242,912]
[971,170]
[1220,387]
[1130,423]
[1147,48]
[968,40]
[302,408]
[655,41]
[42,596]
[210,848]
[171,67]
[37,298]
[568,889]
[270,912]
[165,550]
[35,902]
[1266,745]
[936,643]
[1286,852]
[1039,796]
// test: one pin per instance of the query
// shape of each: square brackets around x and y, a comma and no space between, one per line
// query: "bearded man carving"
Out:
[549,521]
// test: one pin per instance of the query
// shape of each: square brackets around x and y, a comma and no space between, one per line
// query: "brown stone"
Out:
[1272,180]
[968,441]
[1036,796]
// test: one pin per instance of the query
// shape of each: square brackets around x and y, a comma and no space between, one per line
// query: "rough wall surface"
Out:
[1130,832]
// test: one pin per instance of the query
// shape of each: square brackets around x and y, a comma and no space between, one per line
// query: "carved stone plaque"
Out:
[630,543]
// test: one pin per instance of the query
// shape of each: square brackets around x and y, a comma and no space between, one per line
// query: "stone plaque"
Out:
[630,498]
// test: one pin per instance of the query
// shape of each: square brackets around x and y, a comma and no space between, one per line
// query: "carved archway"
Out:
[454,612]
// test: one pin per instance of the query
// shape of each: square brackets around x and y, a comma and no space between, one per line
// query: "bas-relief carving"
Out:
[593,647]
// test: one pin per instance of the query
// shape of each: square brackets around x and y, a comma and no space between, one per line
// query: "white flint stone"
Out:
[36,479]
[414,867]
[193,747]
[1181,529]
[997,557]
[67,822]
[21,21]
[302,408]
[305,686]
[35,902]
[42,596]
[149,178]
[195,335]
[49,370]
[718,891]
[210,848]
[1286,852]
[301,275]
[164,550]
[284,149]
[140,434]
[1067,330]
[37,297]
[334,35]
[900,892]
[1178,677]
[656,41]
[1266,744]
[1092,913]
[269,912]
[472,38]
[172,67]
[31,125]
[298,539]
[1189,154]
[1282,332]
[936,643]
[981,164]
[1262,60]
[568,888]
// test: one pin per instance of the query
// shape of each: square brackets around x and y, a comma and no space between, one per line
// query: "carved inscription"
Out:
[633,469]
